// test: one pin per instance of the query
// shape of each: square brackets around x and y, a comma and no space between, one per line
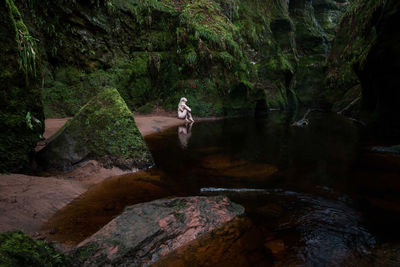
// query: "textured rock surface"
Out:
[145,232]
[21,110]
[315,26]
[104,130]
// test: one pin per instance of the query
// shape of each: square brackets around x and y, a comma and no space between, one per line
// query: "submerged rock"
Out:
[145,232]
[103,130]
[386,149]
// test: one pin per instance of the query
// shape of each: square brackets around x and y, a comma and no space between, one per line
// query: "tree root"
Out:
[304,121]
[349,105]
[343,111]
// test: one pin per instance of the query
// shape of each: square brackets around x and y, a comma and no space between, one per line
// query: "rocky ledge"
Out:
[145,232]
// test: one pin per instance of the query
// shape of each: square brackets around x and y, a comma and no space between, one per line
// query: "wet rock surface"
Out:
[145,232]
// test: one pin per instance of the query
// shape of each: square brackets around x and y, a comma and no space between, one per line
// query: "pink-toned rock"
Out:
[145,232]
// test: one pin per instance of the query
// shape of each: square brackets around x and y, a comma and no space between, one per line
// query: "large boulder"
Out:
[145,232]
[103,130]
[21,110]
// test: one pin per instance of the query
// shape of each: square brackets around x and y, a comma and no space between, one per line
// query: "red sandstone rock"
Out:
[145,232]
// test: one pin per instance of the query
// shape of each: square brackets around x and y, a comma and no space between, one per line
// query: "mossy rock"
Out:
[104,130]
[21,110]
[19,249]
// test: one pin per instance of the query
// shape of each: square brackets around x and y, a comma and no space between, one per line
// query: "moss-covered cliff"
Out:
[365,61]
[151,51]
[289,42]
[227,57]
[21,110]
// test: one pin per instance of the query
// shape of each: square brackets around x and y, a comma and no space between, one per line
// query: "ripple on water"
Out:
[291,229]
[330,230]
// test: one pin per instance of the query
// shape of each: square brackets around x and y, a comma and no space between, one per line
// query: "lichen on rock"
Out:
[145,232]
[105,130]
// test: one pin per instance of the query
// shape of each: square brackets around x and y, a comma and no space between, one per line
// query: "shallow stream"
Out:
[313,196]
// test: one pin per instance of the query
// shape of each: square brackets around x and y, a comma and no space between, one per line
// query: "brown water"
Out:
[312,195]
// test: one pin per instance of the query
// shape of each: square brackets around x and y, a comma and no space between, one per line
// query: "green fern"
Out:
[27,53]
[191,58]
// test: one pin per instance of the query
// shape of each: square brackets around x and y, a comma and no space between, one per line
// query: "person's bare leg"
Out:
[189,116]
[182,114]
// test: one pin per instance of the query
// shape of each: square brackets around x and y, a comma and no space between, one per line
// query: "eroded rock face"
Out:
[145,232]
[315,26]
[103,130]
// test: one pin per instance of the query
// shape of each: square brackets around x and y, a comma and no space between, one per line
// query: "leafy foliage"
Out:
[27,53]
[20,91]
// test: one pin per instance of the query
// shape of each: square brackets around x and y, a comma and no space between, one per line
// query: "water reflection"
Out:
[184,133]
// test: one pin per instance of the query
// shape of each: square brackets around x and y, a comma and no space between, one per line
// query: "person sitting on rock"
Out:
[184,112]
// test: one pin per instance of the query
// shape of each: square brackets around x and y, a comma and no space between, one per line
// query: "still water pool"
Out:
[313,196]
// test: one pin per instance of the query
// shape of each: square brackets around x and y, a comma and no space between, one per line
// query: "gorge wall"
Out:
[364,63]
[226,57]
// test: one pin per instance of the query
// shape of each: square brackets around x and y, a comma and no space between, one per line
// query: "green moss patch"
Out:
[19,249]
[105,130]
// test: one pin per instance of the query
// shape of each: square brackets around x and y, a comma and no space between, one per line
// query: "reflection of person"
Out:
[184,133]
[184,112]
